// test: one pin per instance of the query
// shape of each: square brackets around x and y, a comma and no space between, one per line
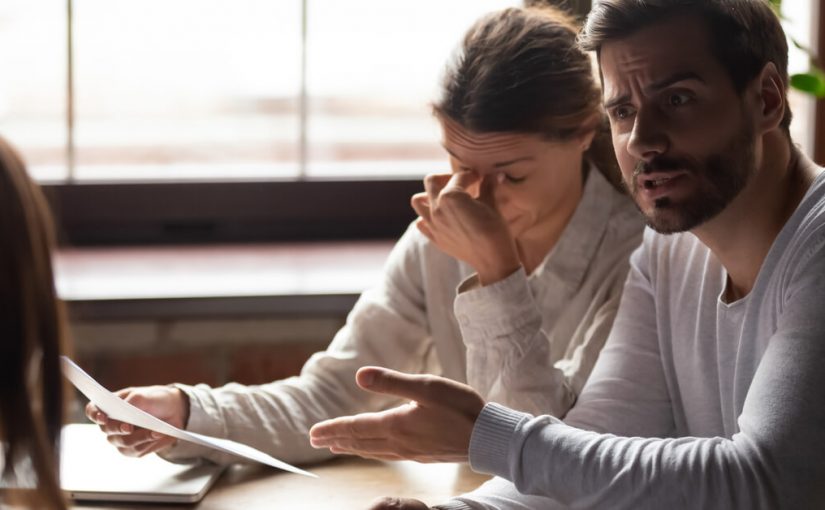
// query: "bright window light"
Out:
[219,89]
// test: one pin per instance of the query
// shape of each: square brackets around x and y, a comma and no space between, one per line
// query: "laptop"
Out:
[91,469]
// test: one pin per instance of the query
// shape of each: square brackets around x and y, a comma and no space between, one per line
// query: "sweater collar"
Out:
[568,260]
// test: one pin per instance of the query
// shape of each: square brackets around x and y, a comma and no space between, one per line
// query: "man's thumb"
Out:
[425,389]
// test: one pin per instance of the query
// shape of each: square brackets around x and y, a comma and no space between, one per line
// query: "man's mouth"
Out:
[657,185]
[652,183]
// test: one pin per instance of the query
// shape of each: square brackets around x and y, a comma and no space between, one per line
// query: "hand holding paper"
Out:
[168,403]
[118,409]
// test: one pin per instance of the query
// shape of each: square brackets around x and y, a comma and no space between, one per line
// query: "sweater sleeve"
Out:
[387,327]
[627,393]
[510,358]
[774,461]
[508,355]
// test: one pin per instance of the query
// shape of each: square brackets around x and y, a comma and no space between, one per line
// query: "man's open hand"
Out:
[398,504]
[435,426]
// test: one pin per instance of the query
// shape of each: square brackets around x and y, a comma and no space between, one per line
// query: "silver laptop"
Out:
[91,469]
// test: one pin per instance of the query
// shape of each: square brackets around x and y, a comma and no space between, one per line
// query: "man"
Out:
[708,393]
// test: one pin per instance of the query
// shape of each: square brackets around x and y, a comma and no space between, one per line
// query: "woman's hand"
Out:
[165,402]
[465,227]
[434,427]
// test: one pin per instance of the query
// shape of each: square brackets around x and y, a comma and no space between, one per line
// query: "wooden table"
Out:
[344,484]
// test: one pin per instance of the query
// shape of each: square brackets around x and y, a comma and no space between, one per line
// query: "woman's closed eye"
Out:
[511,178]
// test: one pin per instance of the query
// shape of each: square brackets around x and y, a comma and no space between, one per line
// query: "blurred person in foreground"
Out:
[31,342]
[709,391]
[529,150]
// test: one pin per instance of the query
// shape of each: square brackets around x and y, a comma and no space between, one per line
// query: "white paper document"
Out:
[119,409]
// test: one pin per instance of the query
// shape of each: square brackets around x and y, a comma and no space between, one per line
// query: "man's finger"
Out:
[427,389]
[377,456]
[364,447]
[398,504]
[360,426]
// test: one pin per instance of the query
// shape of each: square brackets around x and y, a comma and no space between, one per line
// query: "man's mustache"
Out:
[662,164]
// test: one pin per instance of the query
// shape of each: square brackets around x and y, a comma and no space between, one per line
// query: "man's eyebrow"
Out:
[675,78]
[655,87]
[617,101]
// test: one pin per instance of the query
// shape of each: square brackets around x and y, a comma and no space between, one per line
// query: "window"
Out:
[33,92]
[222,120]
[222,89]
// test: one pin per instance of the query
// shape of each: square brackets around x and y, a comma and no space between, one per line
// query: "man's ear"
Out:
[770,99]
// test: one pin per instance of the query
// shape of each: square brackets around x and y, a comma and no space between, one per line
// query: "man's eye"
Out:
[678,99]
[622,112]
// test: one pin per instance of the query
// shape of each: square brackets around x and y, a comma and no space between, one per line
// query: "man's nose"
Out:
[648,138]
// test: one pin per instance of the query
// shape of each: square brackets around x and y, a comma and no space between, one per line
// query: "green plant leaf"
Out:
[777,7]
[811,83]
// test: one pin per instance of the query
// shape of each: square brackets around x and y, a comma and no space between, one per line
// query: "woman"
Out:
[522,124]
[31,341]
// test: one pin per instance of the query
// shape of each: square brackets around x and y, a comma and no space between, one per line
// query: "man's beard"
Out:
[721,177]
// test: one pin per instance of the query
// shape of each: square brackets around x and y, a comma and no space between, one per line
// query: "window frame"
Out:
[226,212]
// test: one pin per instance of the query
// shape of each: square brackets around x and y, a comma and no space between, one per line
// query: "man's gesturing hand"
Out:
[435,426]
[398,504]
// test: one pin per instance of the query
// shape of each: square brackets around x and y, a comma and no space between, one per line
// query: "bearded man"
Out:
[709,391]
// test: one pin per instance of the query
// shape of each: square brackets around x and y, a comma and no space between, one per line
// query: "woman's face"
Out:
[535,181]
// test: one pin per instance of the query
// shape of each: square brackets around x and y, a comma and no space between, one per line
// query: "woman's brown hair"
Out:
[520,70]
[31,340]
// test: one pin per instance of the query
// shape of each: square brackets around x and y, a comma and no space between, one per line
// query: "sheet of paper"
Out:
[119,409]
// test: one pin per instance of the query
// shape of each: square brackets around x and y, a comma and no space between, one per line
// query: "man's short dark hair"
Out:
[745,34]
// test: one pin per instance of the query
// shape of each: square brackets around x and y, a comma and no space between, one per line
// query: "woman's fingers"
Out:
[487,190]
[463,181]
[421,205]
[424,227]
[433,184]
